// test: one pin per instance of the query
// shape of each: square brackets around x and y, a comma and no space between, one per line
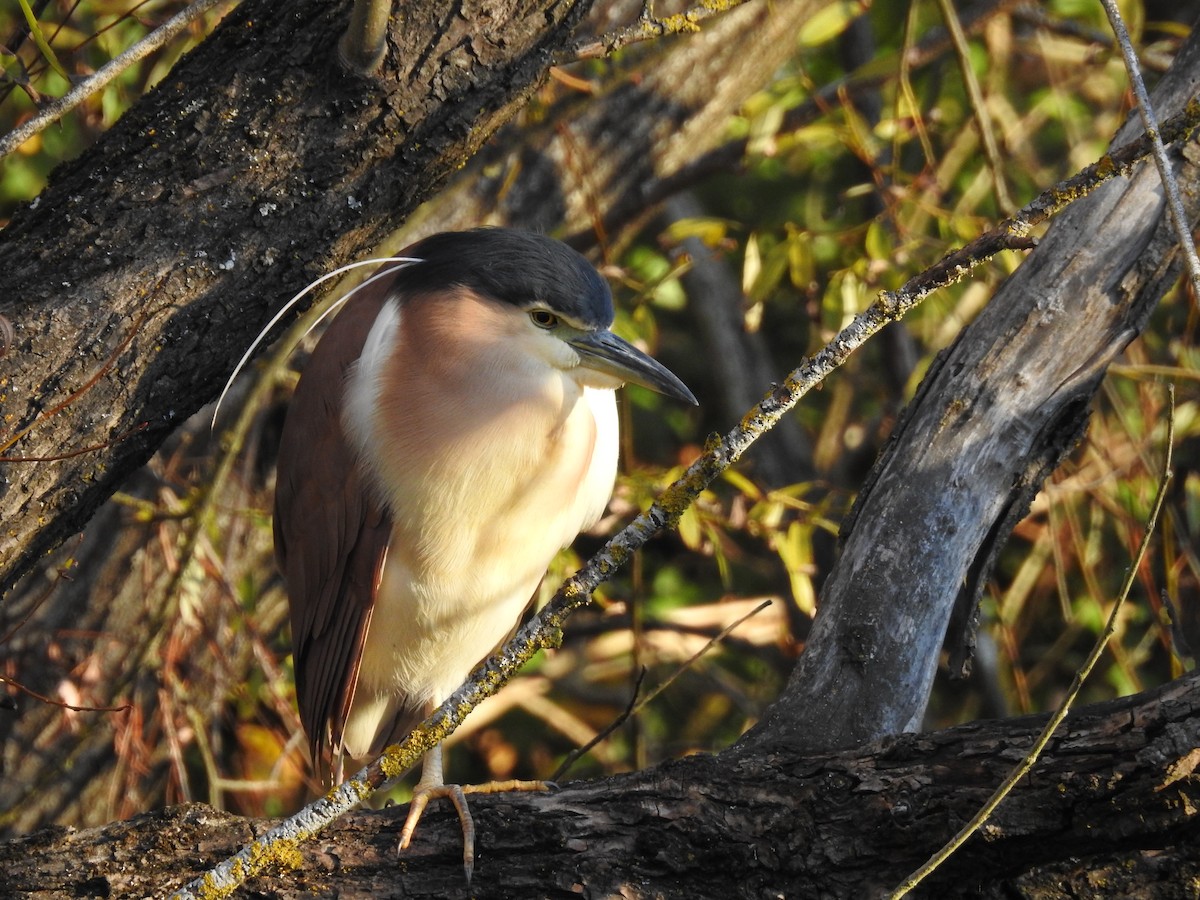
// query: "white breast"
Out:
[496,479]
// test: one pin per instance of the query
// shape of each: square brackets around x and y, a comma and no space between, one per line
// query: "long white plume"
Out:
[402,260]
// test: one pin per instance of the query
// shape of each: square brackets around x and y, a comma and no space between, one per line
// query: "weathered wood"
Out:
[1113,809]
[991,420]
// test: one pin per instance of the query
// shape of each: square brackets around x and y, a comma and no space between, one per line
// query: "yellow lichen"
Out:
[679,23]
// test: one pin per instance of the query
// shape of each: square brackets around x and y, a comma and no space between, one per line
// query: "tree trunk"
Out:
[991,420]
[1112,809]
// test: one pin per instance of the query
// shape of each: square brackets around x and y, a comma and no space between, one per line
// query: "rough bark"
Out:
[1112,809]
[991,420]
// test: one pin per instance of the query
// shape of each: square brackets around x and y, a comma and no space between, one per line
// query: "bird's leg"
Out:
[362,47]
[431,786]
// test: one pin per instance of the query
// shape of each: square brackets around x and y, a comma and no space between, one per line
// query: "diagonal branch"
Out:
[1150,123]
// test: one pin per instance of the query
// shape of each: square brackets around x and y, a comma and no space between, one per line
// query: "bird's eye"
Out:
[543,318]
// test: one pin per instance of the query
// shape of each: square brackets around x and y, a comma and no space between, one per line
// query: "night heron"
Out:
[453,430]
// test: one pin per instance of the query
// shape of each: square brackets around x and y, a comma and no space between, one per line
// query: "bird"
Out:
[454,428]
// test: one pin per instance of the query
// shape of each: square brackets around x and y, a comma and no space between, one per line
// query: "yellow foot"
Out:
[504,787]
[457,794]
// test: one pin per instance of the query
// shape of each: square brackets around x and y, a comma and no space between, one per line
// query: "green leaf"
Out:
[39,39]
[828,24]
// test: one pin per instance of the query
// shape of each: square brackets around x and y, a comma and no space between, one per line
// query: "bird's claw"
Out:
[457,796]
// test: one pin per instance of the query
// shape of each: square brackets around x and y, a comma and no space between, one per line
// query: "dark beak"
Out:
[604,352]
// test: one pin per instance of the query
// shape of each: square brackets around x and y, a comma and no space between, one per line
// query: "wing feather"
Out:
[331,534]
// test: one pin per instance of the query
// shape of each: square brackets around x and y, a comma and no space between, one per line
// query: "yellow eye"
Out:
[543,318]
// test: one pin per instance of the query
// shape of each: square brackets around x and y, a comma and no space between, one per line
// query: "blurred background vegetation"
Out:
[865,162]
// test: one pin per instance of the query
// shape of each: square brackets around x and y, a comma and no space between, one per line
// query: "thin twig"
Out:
[990,148]
[52,112]
[39,40]
[50,701]
[1179,218]
[544,631]
[636,705]
[647,28]
[575,755]
[910,58]
[79,451]
[59,574]
[1022,769]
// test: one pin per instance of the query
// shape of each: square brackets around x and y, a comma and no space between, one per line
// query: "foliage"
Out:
[841,194]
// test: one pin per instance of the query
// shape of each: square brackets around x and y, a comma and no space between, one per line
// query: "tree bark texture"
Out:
[1112,809]
[991,420]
